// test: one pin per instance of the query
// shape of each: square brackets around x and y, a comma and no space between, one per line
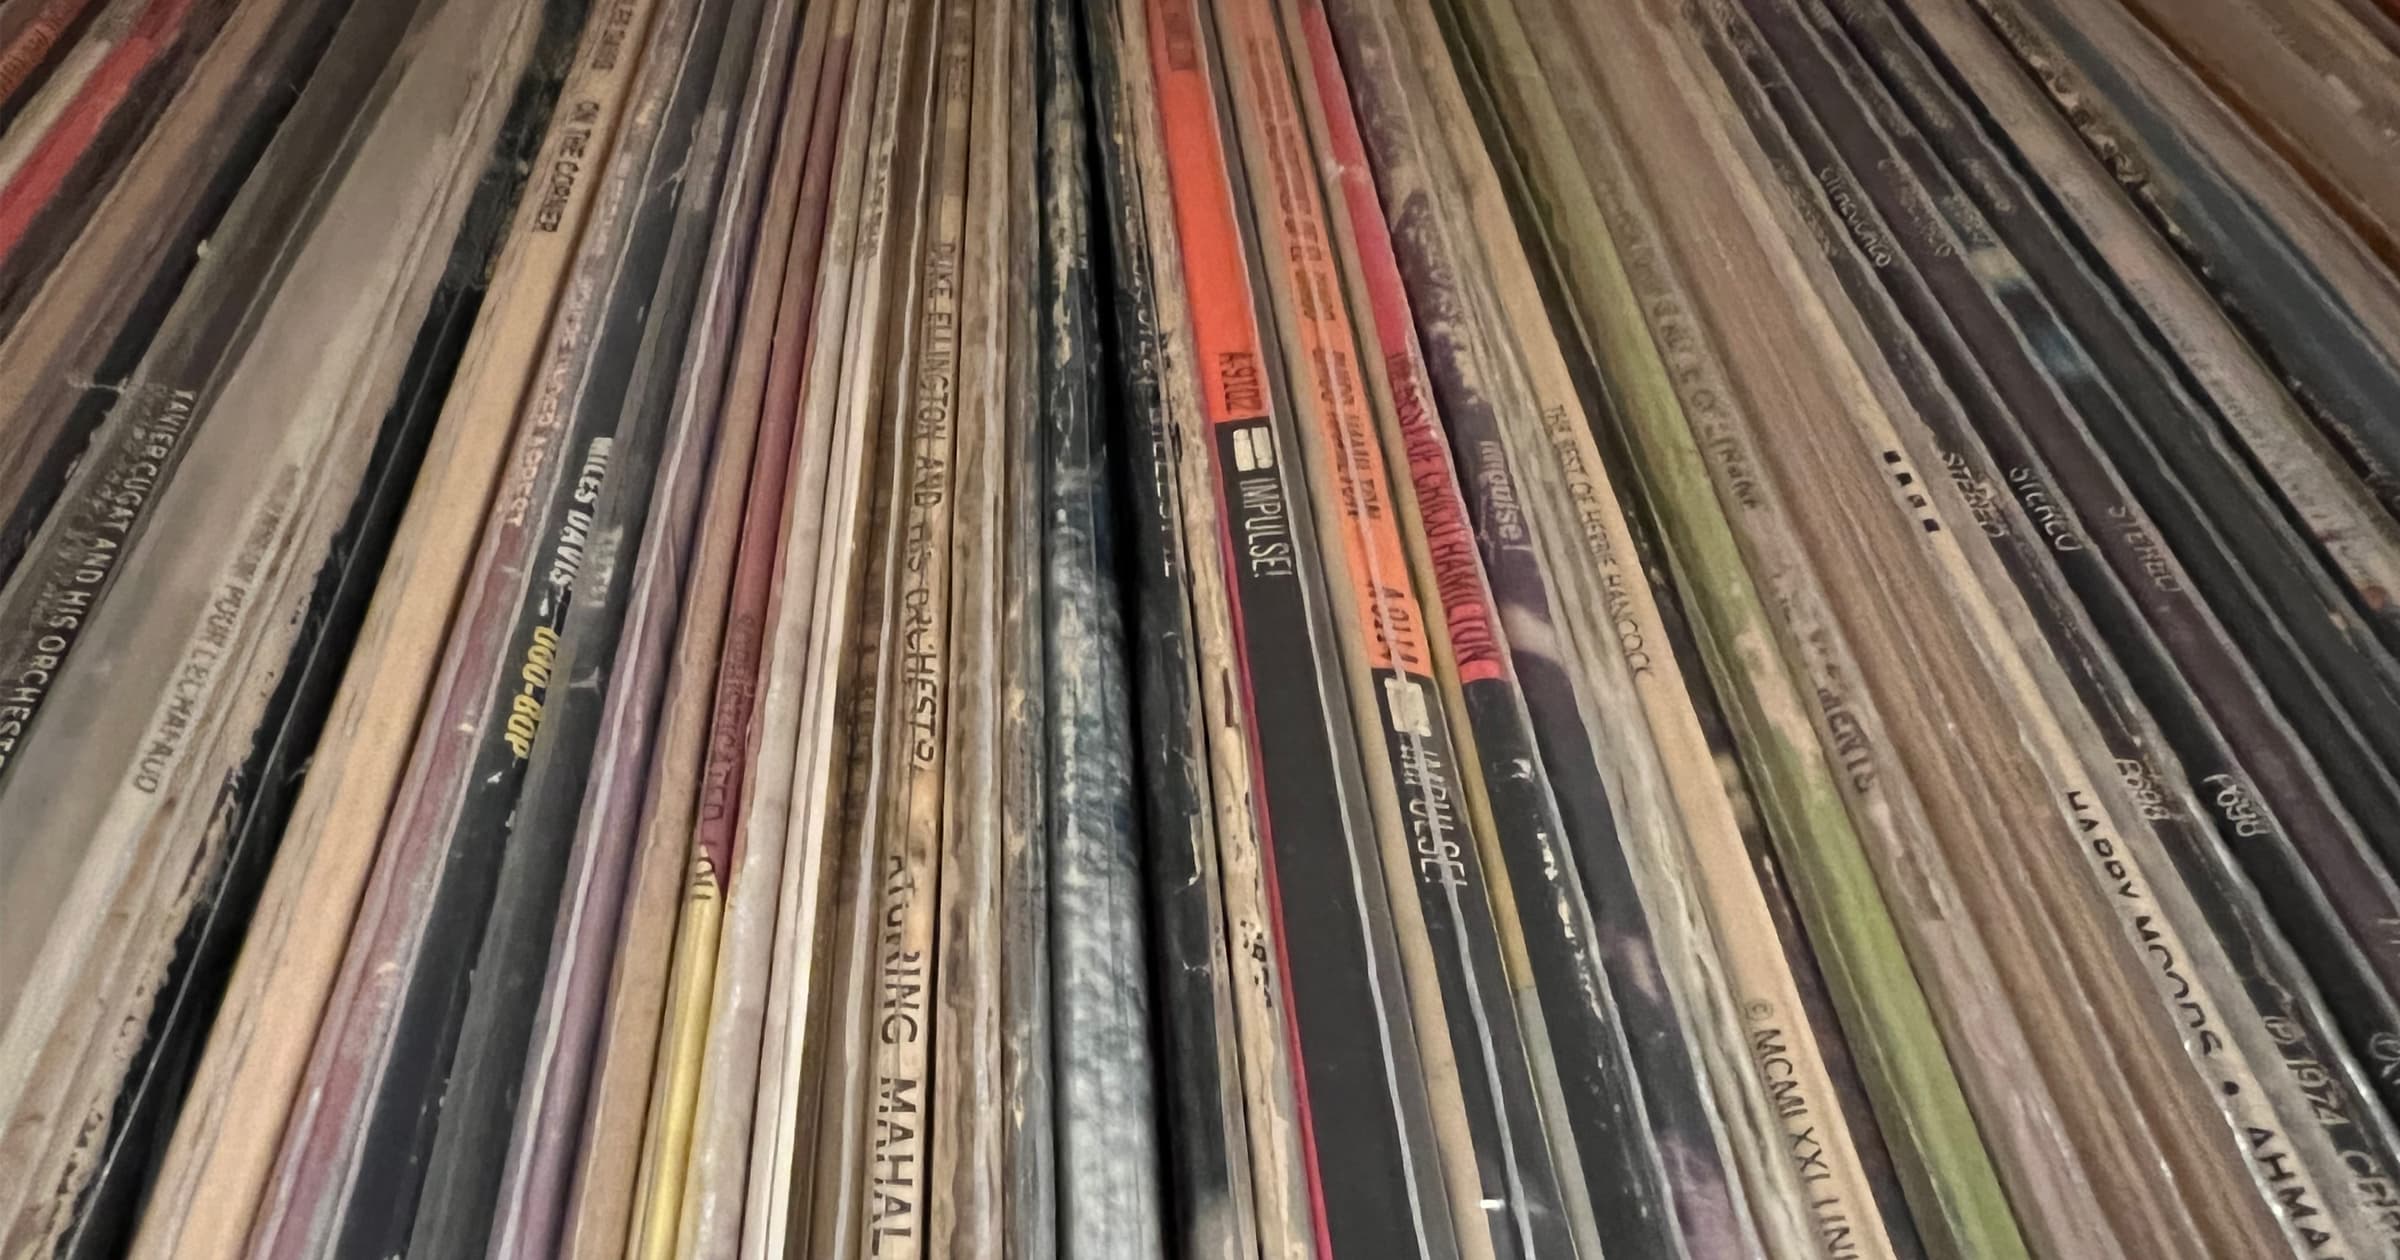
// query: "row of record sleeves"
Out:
[1228,629]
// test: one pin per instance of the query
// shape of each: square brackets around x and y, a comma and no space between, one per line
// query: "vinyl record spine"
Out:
[967,1164]
[1207,1156]
[1266,1053]
[924,406]
[1108,1155]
